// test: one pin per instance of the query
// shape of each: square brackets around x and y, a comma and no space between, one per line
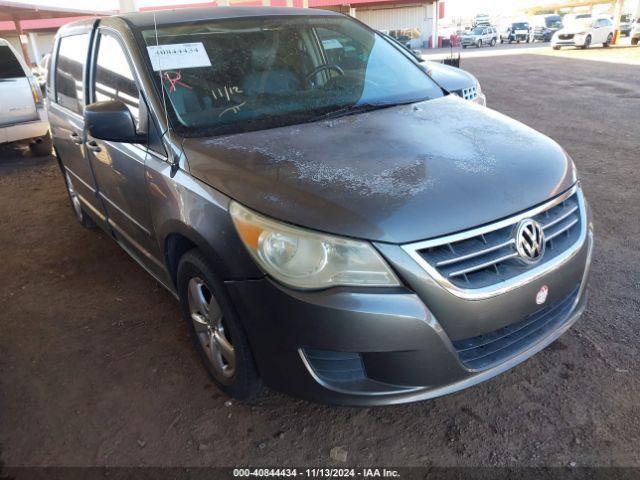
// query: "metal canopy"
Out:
[14,11]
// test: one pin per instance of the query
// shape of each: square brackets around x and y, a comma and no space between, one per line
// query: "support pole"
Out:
[33,41]
[617,11]
[23,45]
[127,6]
[434,25]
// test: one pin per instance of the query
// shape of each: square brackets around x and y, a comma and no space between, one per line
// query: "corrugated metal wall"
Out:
[394,18]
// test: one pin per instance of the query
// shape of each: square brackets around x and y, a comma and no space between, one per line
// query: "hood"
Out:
[398,174]
[573,29]
[450,78]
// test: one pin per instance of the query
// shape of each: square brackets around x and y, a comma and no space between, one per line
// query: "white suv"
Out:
[22,113]
[583,33]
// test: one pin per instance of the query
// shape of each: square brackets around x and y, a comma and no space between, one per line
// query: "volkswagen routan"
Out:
[334,223]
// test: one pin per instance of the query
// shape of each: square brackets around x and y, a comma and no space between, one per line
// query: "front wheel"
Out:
[607,44]
[479,43]
[215,328]
[493,42]
[556,47]
[587,42]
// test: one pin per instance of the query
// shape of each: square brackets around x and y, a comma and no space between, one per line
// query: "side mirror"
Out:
[112,121]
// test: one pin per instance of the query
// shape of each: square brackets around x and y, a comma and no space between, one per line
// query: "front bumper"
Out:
[394,348]
[575,41]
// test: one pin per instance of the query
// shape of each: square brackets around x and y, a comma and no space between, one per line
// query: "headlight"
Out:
[305,259]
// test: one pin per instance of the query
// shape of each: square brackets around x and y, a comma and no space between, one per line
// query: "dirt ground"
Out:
[96,367]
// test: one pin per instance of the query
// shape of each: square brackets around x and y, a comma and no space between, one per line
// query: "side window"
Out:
[113,78]
[340,50]
[72,55]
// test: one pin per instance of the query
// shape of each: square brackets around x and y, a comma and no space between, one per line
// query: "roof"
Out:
[163,17]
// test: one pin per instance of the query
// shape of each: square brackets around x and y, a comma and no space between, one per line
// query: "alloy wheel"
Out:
[208,322]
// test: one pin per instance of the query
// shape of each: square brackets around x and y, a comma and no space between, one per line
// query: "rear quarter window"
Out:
[72,55]
[10,67]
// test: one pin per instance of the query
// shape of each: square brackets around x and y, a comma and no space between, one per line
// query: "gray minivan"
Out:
[334,223]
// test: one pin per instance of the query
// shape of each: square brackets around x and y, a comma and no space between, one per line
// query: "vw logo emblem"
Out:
[530,241]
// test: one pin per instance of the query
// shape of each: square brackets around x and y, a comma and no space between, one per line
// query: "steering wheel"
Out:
[320,68]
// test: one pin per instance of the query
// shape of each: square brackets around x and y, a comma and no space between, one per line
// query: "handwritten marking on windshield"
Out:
[233,108]
[225,92]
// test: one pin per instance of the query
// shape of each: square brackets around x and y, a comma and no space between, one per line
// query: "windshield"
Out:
[236,75]
[553,22]
[477,31]
[520,26]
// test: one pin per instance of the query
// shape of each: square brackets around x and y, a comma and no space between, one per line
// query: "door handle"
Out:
[75,138]
[93,146]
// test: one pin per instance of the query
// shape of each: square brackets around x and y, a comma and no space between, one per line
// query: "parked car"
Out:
[333,223]
[544,26]
[22,114]
[478,37]
[481,20]
[452,79]
[583,33]
[516,32]
[625,29]
[635,32]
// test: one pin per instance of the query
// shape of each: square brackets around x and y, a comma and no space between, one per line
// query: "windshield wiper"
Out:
[360,108]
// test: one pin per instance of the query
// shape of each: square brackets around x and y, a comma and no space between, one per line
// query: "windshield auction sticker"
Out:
[178,55]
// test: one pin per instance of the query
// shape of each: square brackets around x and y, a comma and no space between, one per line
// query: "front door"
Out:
[66,104]
[119,168]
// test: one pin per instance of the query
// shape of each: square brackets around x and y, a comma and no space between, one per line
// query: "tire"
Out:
[587,42]
[607,44]
[493,42]
[464,46]
[501,40]
[479,44]
[215,328]
[556,47]
[634,41]
[41,146]
[76,204]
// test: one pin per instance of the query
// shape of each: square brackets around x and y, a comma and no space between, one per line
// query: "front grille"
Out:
[470,93]
[565,36]
[487,259]
[335,366]
[490,349]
